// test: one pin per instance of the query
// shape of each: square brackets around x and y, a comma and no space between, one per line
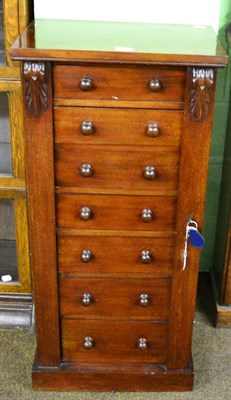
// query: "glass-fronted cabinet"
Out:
[5,136]
[15,281]
[8,248]
[14,254]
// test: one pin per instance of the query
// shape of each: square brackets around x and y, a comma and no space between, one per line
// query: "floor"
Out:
[211,354]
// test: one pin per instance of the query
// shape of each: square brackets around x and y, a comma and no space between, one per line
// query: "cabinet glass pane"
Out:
[8,249]
[2,45]
[5,136]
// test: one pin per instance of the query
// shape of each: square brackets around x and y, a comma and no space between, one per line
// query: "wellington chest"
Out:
[117,131]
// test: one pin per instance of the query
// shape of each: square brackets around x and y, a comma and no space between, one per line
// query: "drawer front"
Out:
[117,168]
[116,212]
[89,125]
[119,83]
[114,342]
[91,254]
[124,298]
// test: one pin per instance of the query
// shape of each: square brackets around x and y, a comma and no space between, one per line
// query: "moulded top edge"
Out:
[125,42]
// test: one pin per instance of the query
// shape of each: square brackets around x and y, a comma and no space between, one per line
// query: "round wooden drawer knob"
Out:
[153,130]
[86,170]
[155,85]
[87,299]
[86,256]
[88,343]
[146,256]
[147,215]
[149,172]
[142,344]
[87,128]
[144,300]
[85,213]
[86,84]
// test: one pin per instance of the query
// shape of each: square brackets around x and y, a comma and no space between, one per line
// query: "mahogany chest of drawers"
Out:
[117,151]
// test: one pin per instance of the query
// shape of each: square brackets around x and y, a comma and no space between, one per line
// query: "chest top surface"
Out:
[119,41]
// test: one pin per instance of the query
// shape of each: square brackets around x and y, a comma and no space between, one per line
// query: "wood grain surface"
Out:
[124,83]
[108,260]
[115,341]
[117,298]
[41,214]
[120,167]
[117,126]
[126,214]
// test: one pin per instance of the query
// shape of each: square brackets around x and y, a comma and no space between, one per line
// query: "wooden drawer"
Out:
[114,341]
[116,167]
[116,212]
[90,254]
[119,83]
[89,125]
[120,298]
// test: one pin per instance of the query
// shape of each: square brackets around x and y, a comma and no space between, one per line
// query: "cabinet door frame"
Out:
[14,188]
[16,14]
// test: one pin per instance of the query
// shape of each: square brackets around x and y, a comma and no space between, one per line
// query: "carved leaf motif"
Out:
[36,89]
[202,82]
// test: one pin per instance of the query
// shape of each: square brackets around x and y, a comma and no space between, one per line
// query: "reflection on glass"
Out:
[5,136]
[8,250]
[2,46]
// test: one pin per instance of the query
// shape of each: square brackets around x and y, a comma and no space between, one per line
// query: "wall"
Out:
[217,147]
[199,12]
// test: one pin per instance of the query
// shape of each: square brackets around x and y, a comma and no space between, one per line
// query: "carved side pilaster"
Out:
[35,87]
[202,83]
